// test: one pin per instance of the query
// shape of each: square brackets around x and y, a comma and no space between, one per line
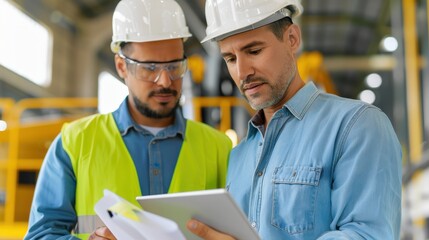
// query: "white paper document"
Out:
[127,221]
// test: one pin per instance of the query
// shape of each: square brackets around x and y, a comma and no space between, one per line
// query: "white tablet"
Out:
[214,207]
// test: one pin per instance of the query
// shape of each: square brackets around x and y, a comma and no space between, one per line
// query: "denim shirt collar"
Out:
[126,124]
[298,105]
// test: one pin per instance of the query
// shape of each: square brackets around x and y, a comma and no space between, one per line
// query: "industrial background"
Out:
[56,65]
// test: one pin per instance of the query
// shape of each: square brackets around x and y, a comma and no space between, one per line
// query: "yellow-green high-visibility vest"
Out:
[101,161]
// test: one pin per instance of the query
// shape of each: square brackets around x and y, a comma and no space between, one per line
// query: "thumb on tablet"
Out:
[203,231]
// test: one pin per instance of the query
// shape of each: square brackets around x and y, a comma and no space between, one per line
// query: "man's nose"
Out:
[164,79]
[244,68]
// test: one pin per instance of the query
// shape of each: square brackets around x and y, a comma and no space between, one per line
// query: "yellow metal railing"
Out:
[6,105]
[15,162]
[224,103]
[27,141]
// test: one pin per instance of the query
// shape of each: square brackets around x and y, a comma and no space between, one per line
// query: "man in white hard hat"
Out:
[313,165]
[144,147]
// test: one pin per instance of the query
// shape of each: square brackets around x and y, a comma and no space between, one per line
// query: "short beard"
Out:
[145,110]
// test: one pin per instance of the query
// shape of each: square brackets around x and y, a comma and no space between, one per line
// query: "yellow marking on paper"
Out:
[126,210]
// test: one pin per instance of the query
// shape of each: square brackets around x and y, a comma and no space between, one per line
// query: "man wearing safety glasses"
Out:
[151,71]
[144,147]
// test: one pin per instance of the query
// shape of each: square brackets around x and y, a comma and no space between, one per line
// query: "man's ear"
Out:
[293,35]
[121,66]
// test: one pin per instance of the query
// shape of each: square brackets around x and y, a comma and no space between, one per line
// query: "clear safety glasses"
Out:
[150,71]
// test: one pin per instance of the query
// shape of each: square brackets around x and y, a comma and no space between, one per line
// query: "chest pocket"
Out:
[294,196]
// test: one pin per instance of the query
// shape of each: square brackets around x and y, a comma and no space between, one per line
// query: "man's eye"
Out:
[172,67]
[229,60]
[151,68]
[255,52]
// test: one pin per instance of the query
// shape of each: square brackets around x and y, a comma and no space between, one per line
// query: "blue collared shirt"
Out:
[52,213]
[325,168]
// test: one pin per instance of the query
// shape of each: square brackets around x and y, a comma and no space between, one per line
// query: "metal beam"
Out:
[213,61]
[413,86]
[197,27]
[23,84]
[425,82]
[363,63]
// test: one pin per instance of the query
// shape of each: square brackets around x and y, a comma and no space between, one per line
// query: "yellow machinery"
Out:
[22,148]
[311,68]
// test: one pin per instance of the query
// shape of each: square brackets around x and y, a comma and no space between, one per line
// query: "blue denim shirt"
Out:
[52,213]
[325,168]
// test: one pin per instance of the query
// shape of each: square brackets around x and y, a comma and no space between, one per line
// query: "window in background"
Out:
[25,45]
[111,92]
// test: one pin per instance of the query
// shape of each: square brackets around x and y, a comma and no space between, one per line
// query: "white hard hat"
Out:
[226,18]
[146,21]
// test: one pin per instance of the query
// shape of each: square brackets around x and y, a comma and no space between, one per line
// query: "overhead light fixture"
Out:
[3,125]
[367,96]
[232,134]
[226,87]
[373,80]
[389,44]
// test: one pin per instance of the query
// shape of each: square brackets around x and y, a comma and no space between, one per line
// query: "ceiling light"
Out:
[389,44]
[3,125]
[232,134]
[367,96]
[373,80]
[226,87]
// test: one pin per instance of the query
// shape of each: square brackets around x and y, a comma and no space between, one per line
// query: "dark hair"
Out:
[278,27]
[125,47]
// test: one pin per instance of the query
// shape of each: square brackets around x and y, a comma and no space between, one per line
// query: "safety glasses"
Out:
[151,71]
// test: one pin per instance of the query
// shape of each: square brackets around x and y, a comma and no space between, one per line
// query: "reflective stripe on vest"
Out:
[201,164]
[87,224]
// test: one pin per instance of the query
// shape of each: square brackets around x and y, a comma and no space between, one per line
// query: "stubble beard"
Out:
[278,89]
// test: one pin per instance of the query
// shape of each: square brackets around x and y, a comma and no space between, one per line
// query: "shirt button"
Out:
[253,224]
[260,143]
[155,172]
[260,174]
